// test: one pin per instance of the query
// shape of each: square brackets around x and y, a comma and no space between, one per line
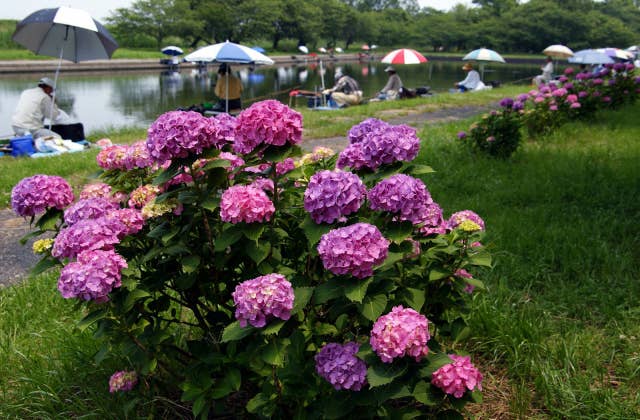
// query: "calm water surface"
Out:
[136,99]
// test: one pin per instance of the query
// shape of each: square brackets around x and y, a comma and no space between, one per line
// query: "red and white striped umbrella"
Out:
[404,56]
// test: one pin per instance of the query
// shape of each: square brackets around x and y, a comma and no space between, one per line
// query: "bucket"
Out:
[21,146]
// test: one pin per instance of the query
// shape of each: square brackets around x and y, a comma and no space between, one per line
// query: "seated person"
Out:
[470,82]
[393,87]
[345,92]
[33,107]
[547,73]
[228,89]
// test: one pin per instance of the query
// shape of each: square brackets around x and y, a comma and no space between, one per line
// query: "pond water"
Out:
[112,100]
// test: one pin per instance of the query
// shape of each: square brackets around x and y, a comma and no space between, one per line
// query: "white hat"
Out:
[390,68]
[45,81]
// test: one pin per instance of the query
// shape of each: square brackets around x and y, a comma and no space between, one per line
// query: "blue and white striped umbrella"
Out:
[172,50]
[229,52]
[484,54]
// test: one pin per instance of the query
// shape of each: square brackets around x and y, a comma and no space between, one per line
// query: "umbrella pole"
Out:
[55,85]
[226,102]
[322,81]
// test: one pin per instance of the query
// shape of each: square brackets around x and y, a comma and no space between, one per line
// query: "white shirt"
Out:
[33,107]
[547,71]
[472,80]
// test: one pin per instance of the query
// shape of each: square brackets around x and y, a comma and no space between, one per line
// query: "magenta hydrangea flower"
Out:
[235,160]
[93,276]
[90,208]
[96,190]
[353,249]
[464,274]
[87,235]
[403,195]
[35,194]
[358,132]
[352,156]
[226,127]
[137,156]
[457,377]
[131,221]
[112,157]
[433,222]
[339,365]
[261,298]
[461,216]
[267,122]
[285,166]
[331,195]
[122,381]
[264,184]
[247,204]
[401,332]
[180,133]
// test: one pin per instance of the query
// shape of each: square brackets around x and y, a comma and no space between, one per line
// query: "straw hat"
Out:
[467,66]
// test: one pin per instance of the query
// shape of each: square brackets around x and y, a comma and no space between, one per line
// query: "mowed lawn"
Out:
[557,333]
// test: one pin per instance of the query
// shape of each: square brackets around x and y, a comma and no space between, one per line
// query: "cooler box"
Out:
[21,146]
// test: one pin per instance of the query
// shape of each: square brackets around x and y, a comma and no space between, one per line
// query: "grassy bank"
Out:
[557,332]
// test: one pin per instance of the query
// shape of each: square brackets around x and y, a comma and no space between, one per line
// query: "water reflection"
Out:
[134,98]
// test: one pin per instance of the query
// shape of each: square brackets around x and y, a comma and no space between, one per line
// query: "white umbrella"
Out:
[303,49]
[230,53]
[483,54]
[172,50]
[66,33]
[558,51]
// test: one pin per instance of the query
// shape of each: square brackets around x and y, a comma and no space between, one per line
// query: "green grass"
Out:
[557,332]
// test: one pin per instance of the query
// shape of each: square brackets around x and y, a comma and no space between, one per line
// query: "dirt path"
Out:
[17,259]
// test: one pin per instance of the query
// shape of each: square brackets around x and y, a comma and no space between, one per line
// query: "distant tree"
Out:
[496,7]
[607,31]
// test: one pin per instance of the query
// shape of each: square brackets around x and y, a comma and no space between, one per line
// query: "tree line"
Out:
[505,25]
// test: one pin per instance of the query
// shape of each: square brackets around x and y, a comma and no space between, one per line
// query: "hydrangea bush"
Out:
[569,97]
[261,282]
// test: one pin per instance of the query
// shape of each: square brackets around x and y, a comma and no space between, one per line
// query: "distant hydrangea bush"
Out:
[37,193]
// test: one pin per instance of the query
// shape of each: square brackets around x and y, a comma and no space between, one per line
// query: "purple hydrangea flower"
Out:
[403,195]
[331,195]
[433,222]
[226,127]
[462,135]
[358,132]
[285,166]
[122,381]
[87,235]
[352,157]
[262,298]
[401,332]
[137,156]
[179,133]
[247,204]
[35,194]
[459,217]
[267,122]
[90,208]
[93,276]
[506,102]
[353,249]
[457,377]
[339,365]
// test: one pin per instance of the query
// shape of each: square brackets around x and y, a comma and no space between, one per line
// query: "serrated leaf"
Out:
[211,203]
[228,384]
[91,318]
[421,169]
[476,283]
[49,219]
[327,291]
[436,361]
[398,232]
[415,298]
[378,375]
[227,238]
[43,265]
[258,252]
[167,174]
[217,163]
[133,296]
[257,402]
[357,290]
[313,231]
[190,263]
[373,306]
[274,352]
[253,231]
[272,328]
[481,259]
[422,393]
[30,235]
[302,296]
[199,405]
[234,332]
[438,273]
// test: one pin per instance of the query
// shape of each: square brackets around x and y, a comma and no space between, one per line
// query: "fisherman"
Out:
[345,92]
[33,107]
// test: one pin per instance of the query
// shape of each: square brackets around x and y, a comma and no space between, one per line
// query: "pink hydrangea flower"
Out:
[261,298]
[247,204]
[102,143]
[87,235]
[403,195]
[353,250]
[267,122]
[457,377]
[96,190]
[235,160]
[459,217]
[264,184]
[93,276]
[131,221]
[285,166]
[433,223]
[35,194]
[464,274]
[401,332]
[90,208]
[137,156]
[331,195]
[112,157]
[122,381]
[180,133]
[339,365]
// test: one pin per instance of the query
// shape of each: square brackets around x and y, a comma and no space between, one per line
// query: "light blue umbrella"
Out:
[484,54]
[590,57]
[259,49]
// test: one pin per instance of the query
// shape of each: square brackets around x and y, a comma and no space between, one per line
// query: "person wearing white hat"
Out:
[392,89]
[33,107]
[345,92]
